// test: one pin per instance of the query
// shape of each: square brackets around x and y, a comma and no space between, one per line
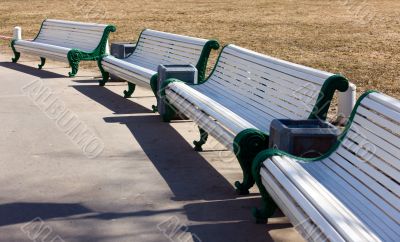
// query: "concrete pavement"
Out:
[146,184]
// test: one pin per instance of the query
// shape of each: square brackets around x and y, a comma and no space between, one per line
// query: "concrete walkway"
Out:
[131,178]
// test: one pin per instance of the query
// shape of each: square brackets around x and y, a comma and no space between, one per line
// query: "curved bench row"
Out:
[351,193]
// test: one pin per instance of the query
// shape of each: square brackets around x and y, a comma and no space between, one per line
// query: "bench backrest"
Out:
[155,47]
[69,34]
[270,88]
[370,151]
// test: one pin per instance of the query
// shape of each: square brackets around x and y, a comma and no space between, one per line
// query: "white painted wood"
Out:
[249,90]
[357,188]
[155,48]
[17,33]
[58,37]
[346,102]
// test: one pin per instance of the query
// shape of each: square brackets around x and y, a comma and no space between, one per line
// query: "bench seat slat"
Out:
[224,136]
[212,108]
[362,181]
[296,214]
[248,112]
[66,41]
[342,219]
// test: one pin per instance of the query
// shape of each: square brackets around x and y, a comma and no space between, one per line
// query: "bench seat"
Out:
[350,194]
[152,49]
[66,41]
[127,70]
[44,50]
[243,94]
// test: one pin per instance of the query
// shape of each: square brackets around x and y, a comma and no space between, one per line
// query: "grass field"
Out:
[360,39]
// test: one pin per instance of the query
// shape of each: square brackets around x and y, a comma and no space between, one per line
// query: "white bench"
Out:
[152,49]
[350,194]
[66,41]
[243,94]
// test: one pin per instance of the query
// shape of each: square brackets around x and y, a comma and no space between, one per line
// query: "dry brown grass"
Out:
[323,34]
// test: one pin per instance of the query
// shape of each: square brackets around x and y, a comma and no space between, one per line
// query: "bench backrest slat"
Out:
[264,88]
[156,47]
[370,151]
[84,36]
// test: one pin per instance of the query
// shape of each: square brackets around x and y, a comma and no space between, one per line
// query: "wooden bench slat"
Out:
[155,56]
[386,158]
[269,95]
[332,209]
[267,72]
[368,212]
[387,118]
[361,122]
[364,180]
[175,37]
[303,222]
[369,170]
[261,79]
[367,180]
[181,47]
[363,187]
[302,72]
[220,113]
[224,136]
[66,41]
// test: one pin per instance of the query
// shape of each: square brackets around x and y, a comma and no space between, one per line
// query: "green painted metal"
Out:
[203,60]
[105,75]
[131,88]
[268,205]
[75,56]
[201,67]
[154,85]
[246,145]
[42,62]
[198,144]
[333,83]
[201,81]
[17,55]
[169,109]
[320,110]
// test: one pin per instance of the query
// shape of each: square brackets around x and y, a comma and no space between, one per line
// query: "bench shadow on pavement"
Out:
[189,176]
[111,100]
[30,70]
[15,213]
